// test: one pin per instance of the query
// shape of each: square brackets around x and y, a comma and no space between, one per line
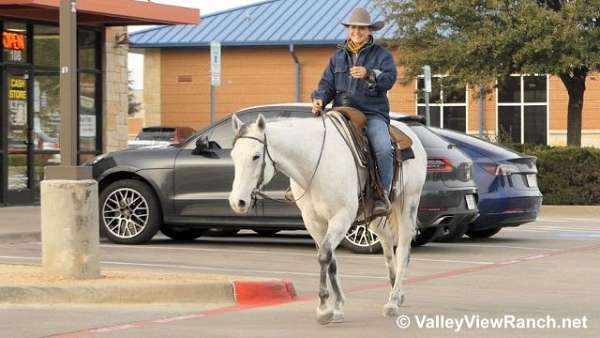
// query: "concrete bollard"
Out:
[70,232]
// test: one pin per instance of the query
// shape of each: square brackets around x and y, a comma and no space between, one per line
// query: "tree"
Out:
[481,41]
[134,105]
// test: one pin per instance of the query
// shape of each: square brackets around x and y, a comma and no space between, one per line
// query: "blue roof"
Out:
[274,22]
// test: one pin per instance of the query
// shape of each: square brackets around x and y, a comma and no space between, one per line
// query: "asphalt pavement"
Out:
[527,280]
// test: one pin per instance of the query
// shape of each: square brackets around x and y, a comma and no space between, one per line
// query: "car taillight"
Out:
[499,169]
[439,165]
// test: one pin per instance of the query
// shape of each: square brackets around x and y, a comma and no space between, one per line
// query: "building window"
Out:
[46,48]
[447,104]
[523,109]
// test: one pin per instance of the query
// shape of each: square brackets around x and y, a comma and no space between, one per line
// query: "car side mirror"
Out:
[202,144]
[204,148]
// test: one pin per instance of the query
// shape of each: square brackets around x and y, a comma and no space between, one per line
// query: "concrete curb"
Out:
[242,292]
[570,210]
[22,237]
[260,292]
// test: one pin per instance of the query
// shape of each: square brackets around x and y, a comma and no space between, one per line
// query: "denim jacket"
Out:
[369,94]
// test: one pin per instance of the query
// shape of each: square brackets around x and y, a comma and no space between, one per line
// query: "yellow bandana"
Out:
[355,47]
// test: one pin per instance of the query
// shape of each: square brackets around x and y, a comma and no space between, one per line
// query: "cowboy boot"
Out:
[382,206]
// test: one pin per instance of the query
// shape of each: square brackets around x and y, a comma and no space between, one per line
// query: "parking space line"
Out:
[497,246]
[207,268]
[259,252]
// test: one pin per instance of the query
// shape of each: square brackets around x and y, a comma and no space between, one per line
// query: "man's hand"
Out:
[358,72]
[317,106]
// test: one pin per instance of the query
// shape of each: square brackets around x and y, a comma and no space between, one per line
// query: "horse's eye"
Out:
[255,157]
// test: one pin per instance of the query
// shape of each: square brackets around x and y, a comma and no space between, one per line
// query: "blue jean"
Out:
[379,136]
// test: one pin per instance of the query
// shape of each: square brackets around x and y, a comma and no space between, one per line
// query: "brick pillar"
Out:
[115,100]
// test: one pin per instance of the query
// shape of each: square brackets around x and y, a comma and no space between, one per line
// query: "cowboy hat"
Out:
[360,17]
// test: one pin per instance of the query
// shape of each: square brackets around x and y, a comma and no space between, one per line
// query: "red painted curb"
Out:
[261,292]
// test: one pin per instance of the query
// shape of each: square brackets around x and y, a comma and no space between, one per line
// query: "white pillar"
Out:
[70,229]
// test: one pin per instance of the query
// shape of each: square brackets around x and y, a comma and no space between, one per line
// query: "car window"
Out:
[156,134]
[223,133]
[427,137]
[484,147]
[187,132]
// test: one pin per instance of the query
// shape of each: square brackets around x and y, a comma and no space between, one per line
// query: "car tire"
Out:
[182,234]
[454,235]
[356,240]
[222,232]
[424,236]
[119,202]
[486,233]
[266,232]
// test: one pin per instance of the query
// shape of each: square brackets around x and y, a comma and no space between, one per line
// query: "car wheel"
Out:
[424,236]
[266,232]
[487,233]
[358,238]
[455,234]
[182,234]
[222,232]
[129,212]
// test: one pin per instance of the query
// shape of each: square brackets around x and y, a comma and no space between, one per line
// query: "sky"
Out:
[136,61]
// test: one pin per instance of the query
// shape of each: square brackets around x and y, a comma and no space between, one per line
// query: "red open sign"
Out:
[13,41]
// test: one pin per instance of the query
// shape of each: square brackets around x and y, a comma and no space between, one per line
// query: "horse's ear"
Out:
[261,122]
[236,123]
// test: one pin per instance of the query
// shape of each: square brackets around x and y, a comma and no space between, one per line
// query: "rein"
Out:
[258,189]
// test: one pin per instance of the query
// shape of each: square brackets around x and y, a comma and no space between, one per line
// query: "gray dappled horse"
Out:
[324,177]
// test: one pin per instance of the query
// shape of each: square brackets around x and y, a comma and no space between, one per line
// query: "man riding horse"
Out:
[358,75]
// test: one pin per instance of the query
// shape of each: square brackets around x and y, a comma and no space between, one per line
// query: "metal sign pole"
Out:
[215,77]
[212,105]
[427,89]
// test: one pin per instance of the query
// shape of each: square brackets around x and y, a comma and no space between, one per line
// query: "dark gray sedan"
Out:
[183,190]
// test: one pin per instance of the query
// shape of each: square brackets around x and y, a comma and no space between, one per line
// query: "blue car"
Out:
[507,181]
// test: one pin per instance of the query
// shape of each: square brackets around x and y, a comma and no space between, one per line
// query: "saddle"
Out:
[351,124]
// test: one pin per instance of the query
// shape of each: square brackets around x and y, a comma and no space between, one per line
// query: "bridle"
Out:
[257,191]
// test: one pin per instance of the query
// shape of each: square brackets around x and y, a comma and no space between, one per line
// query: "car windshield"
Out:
[156,134]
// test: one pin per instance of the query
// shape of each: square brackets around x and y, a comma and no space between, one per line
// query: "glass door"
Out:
[16,118]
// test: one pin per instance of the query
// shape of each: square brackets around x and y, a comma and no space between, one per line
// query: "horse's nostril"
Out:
[241,204]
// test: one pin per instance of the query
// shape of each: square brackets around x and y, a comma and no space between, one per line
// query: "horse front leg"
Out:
[324,312]
[336,231]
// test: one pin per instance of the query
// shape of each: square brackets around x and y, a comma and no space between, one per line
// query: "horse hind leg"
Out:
[405,226]
[386,238]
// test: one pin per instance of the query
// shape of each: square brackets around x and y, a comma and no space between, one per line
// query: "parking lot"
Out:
[546,269]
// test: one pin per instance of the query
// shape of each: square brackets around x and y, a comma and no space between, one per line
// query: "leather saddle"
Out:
[355,123]
[358,118]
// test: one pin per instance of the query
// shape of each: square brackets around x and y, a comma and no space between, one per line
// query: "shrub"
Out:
[566,175]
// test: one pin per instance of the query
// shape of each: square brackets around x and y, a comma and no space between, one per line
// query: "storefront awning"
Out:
[103,12]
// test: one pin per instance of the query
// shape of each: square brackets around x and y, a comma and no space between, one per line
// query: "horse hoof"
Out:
[325,317]
[391,310]
[338,317]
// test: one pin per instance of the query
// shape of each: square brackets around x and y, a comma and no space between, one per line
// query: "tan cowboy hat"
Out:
[360,17]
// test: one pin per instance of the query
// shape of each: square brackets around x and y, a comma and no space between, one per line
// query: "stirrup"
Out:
[288,195]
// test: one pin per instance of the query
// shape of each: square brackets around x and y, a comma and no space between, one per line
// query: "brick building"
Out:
[262,42]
